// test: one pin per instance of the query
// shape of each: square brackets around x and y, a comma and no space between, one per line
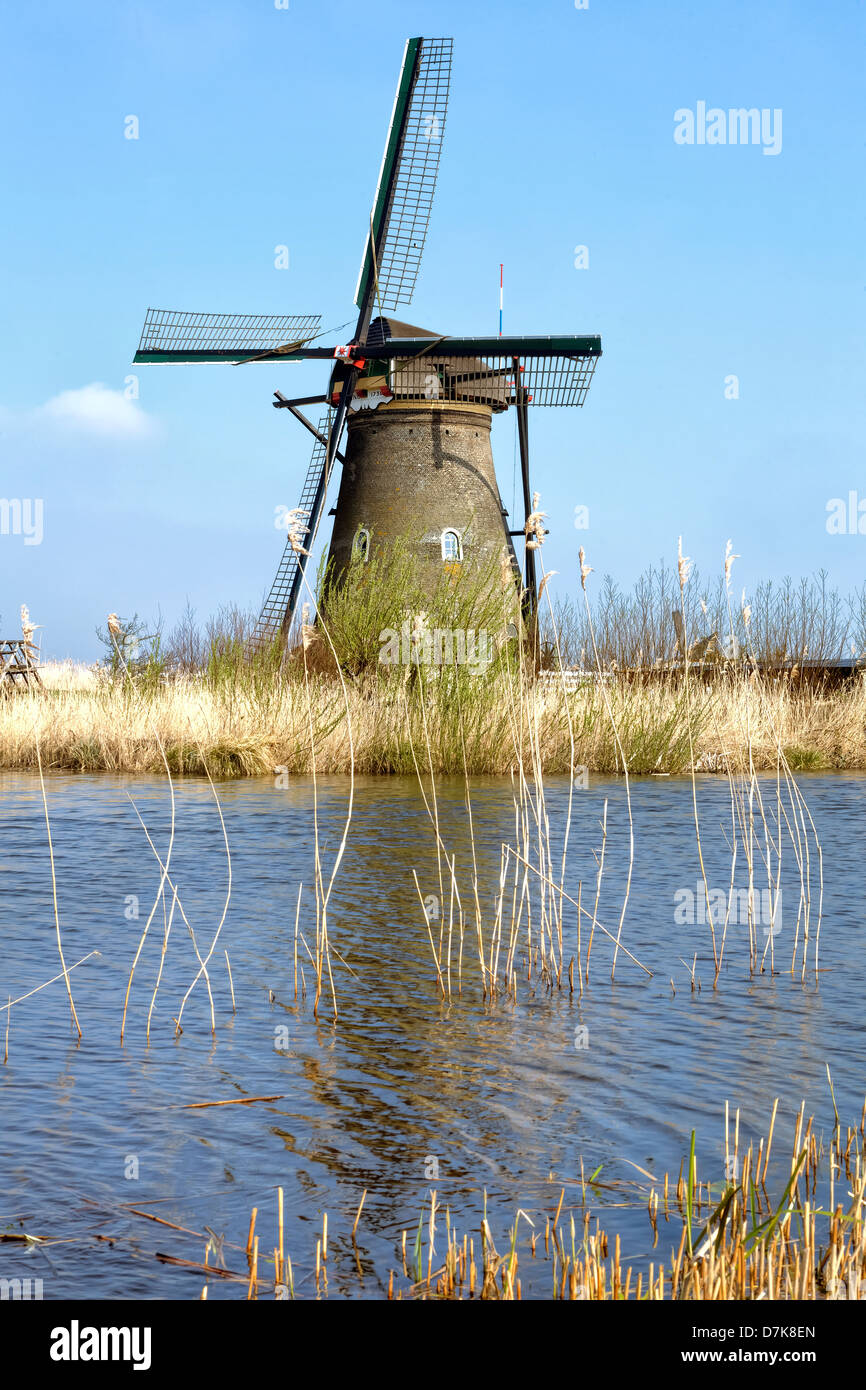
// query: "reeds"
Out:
[735,722]
[535,921]
[791,620]
[744,1234]
[212,698]
[448,718]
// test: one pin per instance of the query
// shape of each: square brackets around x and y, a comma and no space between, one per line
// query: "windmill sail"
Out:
[451,371]
[407,179]
[173,335]
[422,365]
[276,615]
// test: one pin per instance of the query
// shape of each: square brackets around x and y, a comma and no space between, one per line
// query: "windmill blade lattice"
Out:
[546,376]
[281,602]
[174,331]
[401,225]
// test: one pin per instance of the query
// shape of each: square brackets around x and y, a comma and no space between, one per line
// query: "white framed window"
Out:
[452,546]
[361,544]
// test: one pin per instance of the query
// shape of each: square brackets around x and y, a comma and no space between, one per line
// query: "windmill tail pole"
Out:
[530,599]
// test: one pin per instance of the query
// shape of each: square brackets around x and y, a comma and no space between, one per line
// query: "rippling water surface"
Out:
[496,1097]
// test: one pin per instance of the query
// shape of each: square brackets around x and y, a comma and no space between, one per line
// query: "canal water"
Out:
[502,1102]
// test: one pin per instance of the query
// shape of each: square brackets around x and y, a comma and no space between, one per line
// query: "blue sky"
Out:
[260,127]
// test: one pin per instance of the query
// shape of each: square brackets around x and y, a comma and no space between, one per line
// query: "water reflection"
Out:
[496,1098]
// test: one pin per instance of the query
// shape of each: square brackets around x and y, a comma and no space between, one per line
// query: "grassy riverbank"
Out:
[394,677]
[86,721]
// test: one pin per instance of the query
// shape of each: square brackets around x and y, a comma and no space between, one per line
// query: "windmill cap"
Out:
[382,330]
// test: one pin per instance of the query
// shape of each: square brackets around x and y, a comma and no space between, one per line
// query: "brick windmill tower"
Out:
[416,406]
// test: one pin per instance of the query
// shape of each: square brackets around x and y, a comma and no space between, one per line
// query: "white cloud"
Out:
[96,409]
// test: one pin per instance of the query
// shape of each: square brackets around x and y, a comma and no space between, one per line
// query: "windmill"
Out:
[416,405]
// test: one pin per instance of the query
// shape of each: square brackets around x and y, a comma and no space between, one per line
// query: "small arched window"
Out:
[361,544]
[452,548]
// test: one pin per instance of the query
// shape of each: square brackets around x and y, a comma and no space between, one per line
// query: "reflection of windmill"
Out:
[417,405]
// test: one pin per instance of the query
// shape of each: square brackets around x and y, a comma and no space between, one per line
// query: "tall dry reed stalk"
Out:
[745,1237]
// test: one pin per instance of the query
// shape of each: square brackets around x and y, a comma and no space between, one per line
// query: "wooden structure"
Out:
[19,665]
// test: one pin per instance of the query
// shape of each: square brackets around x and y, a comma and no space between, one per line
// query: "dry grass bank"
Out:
[86,722]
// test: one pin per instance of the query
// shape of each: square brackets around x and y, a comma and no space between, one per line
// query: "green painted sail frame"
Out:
[385,186]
